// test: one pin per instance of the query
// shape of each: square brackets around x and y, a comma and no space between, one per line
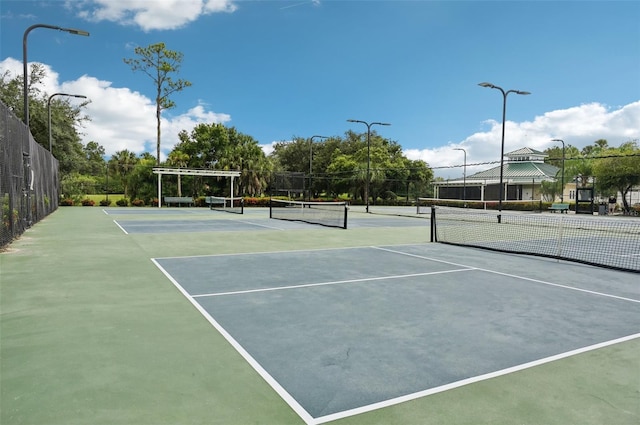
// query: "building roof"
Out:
[522,166]
[526,152]
[519,171]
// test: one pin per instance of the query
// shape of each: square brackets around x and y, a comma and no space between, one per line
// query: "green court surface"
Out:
[106,318]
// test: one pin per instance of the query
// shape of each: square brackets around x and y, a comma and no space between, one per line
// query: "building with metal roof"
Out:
[523,172]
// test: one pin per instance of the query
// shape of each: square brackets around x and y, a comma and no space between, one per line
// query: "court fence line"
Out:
[29,178]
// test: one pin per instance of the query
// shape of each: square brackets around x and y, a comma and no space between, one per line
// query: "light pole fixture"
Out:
[311,158]
[464,175]
[368,154]
[25,71]
[562,189]
[504,114]
[49,109]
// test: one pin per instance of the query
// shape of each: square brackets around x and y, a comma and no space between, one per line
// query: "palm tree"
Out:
[179,159]
[121,163]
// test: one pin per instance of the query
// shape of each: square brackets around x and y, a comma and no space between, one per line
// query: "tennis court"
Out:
[351,338]
[123,315]
[172,220]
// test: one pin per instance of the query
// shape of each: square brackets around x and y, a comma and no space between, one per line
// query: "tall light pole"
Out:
[504,114]
[25,76]
[561,190]
[464,175]
[49,109]
[311,158]
[368,154]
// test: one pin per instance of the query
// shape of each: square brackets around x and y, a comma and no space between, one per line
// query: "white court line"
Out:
[304,415]
[235,344]
[267,252]
[121,228]
[475,379]
[259,225]
[337,282]
[572,288]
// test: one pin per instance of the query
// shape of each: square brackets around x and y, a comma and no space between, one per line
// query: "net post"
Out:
[270,207]
[434,236]
[345,216]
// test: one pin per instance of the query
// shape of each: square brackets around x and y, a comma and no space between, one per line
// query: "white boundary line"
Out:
[268,252]
[475,379]
[259,225]
[337,282]
[572,288]
[235,344]
[121,228]
[304,415]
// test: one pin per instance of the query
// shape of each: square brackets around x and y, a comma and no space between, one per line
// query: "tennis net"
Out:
[332,214]
[600,241]
[232,205]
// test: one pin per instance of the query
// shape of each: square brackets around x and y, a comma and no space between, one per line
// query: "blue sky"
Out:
[279,69]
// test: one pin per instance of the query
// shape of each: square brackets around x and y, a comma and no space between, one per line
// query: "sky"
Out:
[277,69]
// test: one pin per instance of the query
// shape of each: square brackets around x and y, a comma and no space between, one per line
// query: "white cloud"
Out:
[125,119]
[268,148]
[121,118]
[49,83]
[150,15]
[578,126]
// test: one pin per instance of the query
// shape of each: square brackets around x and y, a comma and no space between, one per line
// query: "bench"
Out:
[214,200]
[179,200]
[563,208]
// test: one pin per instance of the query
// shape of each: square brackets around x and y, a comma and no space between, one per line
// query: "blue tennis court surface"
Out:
[337,332]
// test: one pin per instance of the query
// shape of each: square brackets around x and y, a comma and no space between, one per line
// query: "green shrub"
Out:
[122,202]
[390,196]
[105,202]
[7,215]
[258,202]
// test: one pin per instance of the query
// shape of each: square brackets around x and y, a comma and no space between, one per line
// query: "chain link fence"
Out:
[29,179]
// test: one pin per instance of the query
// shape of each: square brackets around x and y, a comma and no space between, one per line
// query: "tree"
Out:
[619,170]
[179,159]
[242,153]
[158,63]
[76,186]
[347,175]
[140,180]
[121,164]
[94,159]
[549,190]
[11,92]
[217,147]
[65,118]
[340,166]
